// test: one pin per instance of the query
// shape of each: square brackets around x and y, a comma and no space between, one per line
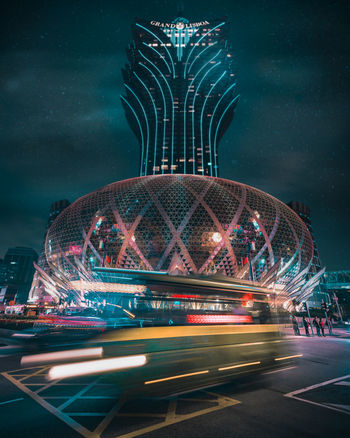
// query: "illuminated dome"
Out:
[181,224]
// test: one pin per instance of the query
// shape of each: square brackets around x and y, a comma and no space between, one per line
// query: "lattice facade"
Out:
[181,224]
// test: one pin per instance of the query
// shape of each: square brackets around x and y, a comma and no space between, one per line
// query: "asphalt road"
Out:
[277,404]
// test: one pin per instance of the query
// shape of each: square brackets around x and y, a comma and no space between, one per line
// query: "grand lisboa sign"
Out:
[179,25]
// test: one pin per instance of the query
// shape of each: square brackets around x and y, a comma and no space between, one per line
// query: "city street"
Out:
[309,399]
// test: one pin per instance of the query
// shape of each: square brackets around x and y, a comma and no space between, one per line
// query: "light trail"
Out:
[96,366]
[179,376]
[288,357]
[62,355]
[239,366]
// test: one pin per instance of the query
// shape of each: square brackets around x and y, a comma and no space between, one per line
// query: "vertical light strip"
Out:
[211,122]
[220,120]
[137,119]
[144,113]
[172,106]
[196,44]
[194,105]
[201,120]
[164,113]
[159,54]
[162,45]
[185,104]
[155,118]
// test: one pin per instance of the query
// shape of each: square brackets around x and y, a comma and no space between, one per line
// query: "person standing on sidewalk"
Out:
[317,325]
[330,326]
[321,326]
[295,326]
[306,326]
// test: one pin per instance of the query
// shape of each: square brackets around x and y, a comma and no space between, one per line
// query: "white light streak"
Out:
[63,355]
[95,367]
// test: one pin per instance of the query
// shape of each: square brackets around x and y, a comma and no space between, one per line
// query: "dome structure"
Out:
[180,224]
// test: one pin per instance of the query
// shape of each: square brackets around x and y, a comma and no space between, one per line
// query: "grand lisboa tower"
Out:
[178,218]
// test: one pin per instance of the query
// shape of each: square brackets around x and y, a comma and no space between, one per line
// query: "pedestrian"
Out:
[329,324]
[317,326]
[295,326]
[306,326]
[321,326]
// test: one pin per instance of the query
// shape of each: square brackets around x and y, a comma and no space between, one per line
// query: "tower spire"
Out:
[180,8]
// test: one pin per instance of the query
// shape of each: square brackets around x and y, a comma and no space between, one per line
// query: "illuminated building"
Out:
[177,219]
[178,224]
[180,94]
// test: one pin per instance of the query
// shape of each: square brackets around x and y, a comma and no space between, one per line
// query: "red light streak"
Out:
[214,319]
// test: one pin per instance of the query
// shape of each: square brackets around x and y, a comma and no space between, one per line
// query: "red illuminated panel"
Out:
[217,319]
[185,296]
[246,298]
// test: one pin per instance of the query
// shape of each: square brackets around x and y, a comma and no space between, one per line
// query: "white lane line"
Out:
[343,383]
[323,405]
[308,388]
[11,401]
[333,407]
[344,407]
[278,371]
[65,418]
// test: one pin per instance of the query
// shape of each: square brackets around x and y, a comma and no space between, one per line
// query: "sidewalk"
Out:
[336,333]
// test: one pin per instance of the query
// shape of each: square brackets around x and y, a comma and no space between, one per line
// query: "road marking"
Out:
[171,417]
[345,407]
[63,417]
[41,369]
[278,371]
[325,405]
[11,401]
[343,383]
[334,407]
[117,410]
[308,388]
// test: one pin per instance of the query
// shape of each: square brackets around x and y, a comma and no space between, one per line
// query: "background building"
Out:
[16,274]
[38,290]
[180,94]
[319,293]
[337,284]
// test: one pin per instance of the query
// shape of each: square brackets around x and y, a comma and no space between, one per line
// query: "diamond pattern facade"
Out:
[181,224]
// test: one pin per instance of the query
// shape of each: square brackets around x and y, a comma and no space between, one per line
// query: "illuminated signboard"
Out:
[178,25]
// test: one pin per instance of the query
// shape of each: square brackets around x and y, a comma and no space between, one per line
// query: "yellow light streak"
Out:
[179,376]
[239,365]
[185,331]
[288,357]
